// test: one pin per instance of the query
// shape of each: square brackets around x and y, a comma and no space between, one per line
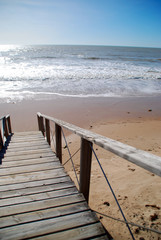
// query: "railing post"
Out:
[58,142]
[47,126]
[41,124]
[9,124]
[1,140]
[85,167]
[5,127]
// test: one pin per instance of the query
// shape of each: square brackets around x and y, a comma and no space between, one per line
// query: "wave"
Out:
[44,57]
[92,58]
[122,58]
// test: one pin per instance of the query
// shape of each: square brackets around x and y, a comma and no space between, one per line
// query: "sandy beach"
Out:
[134,121]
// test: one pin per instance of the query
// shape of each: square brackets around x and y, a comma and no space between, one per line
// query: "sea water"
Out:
[46,71]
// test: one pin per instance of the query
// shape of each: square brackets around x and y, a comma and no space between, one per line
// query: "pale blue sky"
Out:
[89,22]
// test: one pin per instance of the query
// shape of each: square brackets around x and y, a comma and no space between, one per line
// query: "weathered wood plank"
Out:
[34,176]
[26,144]
[38,189]
[41,204]
[50,212]
[47,226]
[27,133]
[27,136]
[44,182]
[26,148]
[17,138]
[27,140]
[7,154]
[82,232]
[39,196]
[7,164]
[30,156]
[29,168]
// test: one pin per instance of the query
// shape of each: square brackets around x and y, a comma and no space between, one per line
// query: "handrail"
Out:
[5,130]
[141,158]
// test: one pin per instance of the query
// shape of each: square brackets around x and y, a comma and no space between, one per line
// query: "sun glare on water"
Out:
[6,48]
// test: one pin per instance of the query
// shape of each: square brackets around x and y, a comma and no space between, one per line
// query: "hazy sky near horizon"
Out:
[89,22]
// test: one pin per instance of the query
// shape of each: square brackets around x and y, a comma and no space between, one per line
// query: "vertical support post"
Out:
[58,142]
[5,127]
[1,140]
[40,124]
[9,124]
[2,132]
[47,125]
[85,167]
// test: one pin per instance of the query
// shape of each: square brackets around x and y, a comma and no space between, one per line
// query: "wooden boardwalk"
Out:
[37,198]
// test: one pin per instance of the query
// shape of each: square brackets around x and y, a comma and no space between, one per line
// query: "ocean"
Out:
[48,71]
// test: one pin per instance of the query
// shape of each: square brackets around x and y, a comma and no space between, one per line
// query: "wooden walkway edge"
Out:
[37,197]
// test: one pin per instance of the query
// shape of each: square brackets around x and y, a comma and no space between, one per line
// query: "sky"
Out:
[81,22]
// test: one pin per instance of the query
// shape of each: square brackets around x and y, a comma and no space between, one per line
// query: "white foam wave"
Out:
[27,73]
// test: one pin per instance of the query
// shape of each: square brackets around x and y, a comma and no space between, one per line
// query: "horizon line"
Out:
[96,45]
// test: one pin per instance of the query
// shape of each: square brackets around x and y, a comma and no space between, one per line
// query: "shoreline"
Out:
[81,111]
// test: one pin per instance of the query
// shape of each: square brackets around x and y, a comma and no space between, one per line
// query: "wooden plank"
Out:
[30,156]
[28,138]
[26,148]
[44,227]
[141,158]
[39,196]
[18,163]
[31,139]
[29,168]
[15,143]
[82,232]
[85,167]
[27,133]
[26,185]
[38,189]
[41,204]
[26,144]
[50,212]
[7,154]
[34,176]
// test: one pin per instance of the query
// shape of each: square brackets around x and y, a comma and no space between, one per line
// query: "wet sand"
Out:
[81,111]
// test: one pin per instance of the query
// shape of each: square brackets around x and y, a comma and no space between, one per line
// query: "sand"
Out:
[134,121]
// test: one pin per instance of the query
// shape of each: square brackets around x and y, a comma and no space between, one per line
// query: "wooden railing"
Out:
[5,130]
[141,158]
